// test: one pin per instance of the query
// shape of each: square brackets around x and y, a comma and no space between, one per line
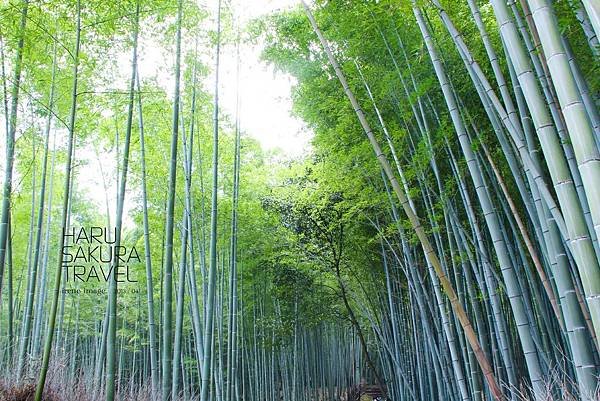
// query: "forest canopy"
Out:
[437,239]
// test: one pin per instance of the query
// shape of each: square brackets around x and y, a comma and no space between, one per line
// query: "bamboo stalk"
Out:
[428,249]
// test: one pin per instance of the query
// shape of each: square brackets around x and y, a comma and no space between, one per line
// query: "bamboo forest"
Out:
[300,200]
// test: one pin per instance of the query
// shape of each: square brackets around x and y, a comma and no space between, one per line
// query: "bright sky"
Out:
[265,95]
